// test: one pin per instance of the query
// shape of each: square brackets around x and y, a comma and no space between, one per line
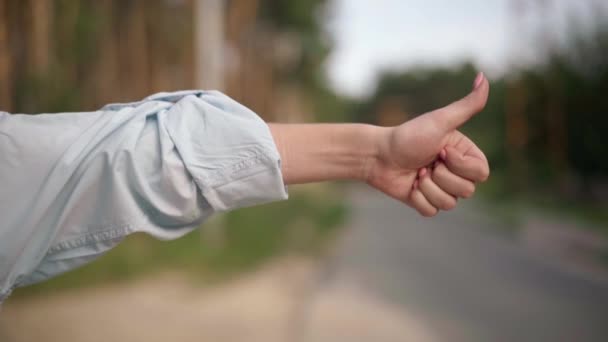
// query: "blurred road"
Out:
[465,279]
[392,277]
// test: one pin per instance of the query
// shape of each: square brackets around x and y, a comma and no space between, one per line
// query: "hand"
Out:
[407,152]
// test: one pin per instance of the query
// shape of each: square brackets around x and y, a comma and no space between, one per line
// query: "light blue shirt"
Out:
[73,185]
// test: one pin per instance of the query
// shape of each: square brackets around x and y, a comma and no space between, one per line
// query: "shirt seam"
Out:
[236,171]
[91,238]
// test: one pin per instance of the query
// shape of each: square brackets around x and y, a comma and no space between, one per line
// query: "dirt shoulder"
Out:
[282,302]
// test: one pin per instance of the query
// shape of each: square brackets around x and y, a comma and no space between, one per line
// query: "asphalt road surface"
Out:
[467,277]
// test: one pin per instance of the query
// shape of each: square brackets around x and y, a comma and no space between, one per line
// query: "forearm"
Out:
[321,152]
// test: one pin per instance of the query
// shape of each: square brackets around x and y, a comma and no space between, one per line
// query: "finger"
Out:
[435,195]
[470,167]
[474,151]
[457,113]
[452,183]
[421,204]
[467,147]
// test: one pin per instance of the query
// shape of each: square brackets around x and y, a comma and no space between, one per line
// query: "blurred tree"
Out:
[302,18]
[299,22]
[575,81]
[6,90]
[69,55]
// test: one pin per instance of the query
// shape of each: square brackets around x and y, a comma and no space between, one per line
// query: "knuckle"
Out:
[485,174]
[482,173]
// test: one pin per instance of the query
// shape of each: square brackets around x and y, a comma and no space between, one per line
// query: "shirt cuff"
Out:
[228,150]
[251,182]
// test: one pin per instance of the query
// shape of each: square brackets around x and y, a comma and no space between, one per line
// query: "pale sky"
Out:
[372,35]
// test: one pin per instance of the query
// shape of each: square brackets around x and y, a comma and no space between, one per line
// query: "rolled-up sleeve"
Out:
[73,185]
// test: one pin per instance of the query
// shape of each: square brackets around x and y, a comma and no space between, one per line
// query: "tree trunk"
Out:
[517,134]
[6,91]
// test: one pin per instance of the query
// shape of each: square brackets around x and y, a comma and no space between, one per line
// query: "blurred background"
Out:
[525,260]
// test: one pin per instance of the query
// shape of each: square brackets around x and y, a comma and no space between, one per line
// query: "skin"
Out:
[425,162]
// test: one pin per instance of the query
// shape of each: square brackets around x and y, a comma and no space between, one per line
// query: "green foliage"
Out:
[297,15]
[302,19]
[50,92]
[58,88]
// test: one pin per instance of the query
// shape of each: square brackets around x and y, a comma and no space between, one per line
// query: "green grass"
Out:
[225,246]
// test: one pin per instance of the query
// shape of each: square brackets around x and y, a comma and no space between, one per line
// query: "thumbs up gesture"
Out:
[426,162]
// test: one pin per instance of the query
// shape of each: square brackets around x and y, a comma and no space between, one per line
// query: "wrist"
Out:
[378,138]
[375,138]
[350,150]
[321,152]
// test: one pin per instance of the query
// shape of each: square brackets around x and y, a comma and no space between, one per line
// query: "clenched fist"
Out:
[426,162]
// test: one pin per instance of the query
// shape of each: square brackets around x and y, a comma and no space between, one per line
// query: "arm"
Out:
[394,160]
[75,184]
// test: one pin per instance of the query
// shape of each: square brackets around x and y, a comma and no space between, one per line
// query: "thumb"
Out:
[457,113]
